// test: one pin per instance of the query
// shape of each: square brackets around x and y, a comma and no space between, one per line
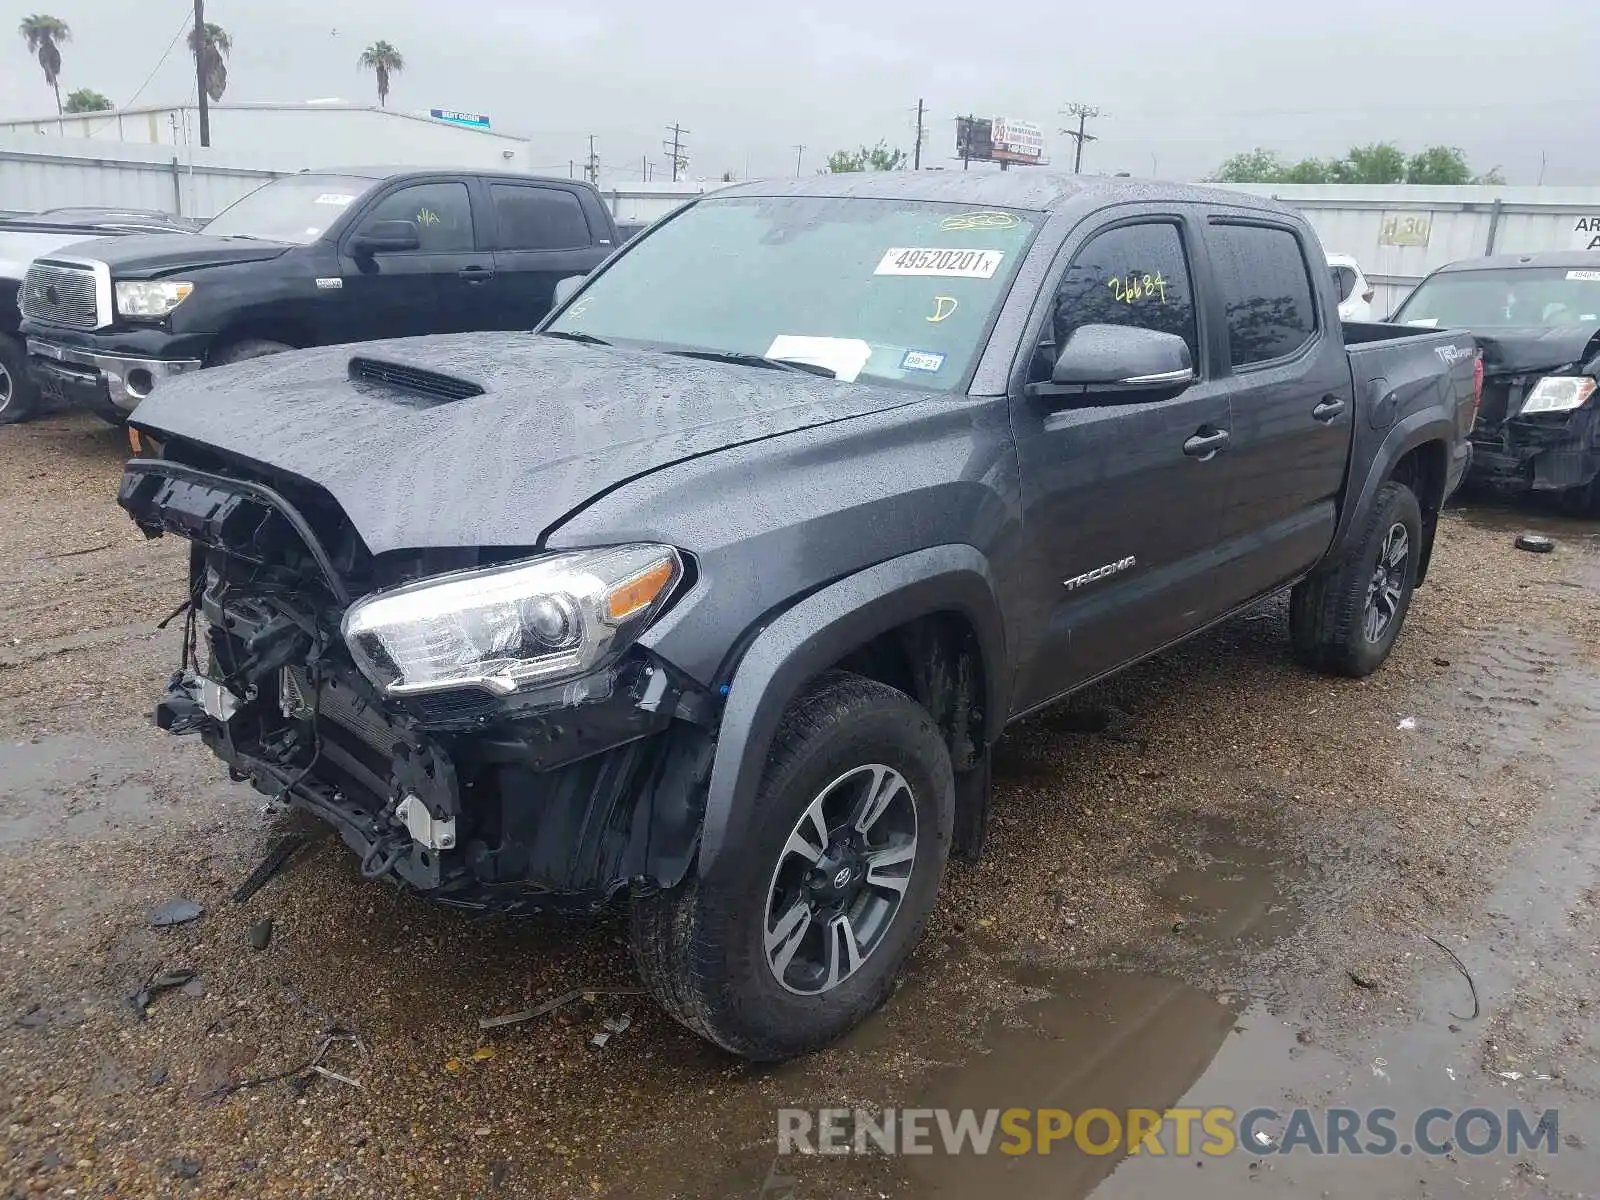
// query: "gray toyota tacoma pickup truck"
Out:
[713,595]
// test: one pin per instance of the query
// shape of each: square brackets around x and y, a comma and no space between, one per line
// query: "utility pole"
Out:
[1084,113]
[200,71]
[916,152]
[592,167]
[798,151]
[675,148]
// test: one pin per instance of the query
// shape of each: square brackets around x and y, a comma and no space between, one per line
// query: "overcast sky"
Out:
[1182,86]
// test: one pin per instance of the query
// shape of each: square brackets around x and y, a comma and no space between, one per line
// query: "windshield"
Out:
[886,290]
[296,208]
[1525,297]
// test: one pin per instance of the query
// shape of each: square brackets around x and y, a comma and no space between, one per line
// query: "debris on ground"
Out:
[1535,543]
[185,1168]
[549,1006]
[1361,981]
[159,982]
[311,1065]
[1467,975]
[1407,723]
[276,858]
[175,912]
[610,1027]
[260,934]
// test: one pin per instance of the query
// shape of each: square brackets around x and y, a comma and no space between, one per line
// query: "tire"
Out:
[247,348]
[702,947]
[1331,621]
[18,396]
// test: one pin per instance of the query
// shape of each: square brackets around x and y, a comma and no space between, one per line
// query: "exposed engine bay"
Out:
[484,795]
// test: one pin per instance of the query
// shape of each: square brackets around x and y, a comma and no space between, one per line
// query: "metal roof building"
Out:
[289,137]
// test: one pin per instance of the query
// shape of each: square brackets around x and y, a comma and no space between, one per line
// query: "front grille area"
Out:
[60,295]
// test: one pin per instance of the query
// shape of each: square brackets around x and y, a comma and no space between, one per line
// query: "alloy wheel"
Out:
[1387,585]
[840,879]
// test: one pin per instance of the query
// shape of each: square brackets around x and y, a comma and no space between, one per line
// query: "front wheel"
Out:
[1345,617]
[18,397]
[799,933]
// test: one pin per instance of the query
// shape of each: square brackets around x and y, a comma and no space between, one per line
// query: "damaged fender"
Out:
[814,635]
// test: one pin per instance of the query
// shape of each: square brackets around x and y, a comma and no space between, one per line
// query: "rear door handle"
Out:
[1204,445]
[1328,408]
[475,274]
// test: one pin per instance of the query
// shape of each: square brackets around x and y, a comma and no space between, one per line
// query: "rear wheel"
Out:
[799,933]
[18,397]
[247,348]
[1344,619]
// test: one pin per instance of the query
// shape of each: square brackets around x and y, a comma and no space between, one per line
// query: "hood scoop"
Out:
[415,385]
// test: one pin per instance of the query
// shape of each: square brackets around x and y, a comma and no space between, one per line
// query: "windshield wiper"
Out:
[758,360]
[573,335]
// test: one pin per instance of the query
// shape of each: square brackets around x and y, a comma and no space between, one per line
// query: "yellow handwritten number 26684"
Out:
[1129,288]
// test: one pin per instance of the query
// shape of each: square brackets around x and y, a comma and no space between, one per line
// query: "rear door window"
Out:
[1266,291]
[537,218]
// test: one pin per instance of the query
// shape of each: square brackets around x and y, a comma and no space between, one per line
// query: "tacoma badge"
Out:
[1099,573]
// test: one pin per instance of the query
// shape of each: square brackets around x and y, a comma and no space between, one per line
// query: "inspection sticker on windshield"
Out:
[1584,276]
[921,360]
[337,199]
[930,260]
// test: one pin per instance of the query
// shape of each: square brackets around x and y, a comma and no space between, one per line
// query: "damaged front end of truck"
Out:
[478,726]
[1538,428]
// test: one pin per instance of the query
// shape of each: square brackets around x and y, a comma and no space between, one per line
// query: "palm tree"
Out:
[386,61]
[45,35]
[210,47]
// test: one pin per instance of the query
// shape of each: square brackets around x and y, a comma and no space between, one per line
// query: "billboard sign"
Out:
[973,138]
[1016,141]
[469,120]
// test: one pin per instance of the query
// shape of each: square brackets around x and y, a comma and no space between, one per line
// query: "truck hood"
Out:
[1519,351]
[557,423]
[146,256]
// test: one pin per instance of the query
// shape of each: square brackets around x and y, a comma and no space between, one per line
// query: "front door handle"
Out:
[1204,445]
[475,274]
[1328,408]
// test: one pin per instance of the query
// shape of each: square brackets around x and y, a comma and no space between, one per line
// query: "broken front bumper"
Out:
[554,800]
[1547,452]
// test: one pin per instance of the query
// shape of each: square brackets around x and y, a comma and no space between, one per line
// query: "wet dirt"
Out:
[1189,869]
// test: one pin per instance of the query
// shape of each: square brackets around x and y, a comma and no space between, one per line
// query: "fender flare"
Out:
[817,632]
[1406,436]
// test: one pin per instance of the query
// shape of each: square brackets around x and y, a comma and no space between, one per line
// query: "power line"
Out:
[181,29]
[1084,113]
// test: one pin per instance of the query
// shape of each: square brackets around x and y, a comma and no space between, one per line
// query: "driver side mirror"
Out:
[1118,360]
[566,285]
[387,237]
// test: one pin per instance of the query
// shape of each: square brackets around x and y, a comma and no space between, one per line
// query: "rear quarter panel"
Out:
[1410,388]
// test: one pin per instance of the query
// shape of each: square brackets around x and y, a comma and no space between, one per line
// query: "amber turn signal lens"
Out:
[133,440]
[638,593]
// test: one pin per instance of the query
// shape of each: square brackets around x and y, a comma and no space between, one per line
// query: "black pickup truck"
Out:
[721,605]
[24,238]
[307,260]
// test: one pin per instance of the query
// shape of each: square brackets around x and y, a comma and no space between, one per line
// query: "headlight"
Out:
[511,627]
[1558,393]
[151,298]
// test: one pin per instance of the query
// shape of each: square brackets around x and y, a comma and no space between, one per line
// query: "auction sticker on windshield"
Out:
[928,260]
[337,199]
[1584,276]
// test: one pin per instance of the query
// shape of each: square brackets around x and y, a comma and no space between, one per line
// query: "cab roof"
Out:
[1572,259]
[1022,188]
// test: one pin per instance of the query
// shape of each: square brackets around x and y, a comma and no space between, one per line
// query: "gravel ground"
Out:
[1214,843]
